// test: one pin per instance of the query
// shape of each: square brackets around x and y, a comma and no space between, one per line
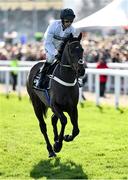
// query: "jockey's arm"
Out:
[48,41]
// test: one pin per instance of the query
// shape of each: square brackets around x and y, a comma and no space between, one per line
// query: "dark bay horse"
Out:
[63,94]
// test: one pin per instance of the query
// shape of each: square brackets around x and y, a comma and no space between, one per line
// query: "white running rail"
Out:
[90,71]
[89,65]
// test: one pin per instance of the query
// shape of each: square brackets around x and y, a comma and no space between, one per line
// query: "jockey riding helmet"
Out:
[67,14]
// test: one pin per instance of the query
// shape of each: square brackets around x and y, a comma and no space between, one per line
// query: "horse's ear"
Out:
[70,36]
[80,36]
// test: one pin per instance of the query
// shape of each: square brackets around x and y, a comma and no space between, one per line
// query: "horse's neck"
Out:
[65,72]
[64,60]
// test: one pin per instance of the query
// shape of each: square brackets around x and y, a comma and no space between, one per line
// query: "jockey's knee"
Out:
[50,58]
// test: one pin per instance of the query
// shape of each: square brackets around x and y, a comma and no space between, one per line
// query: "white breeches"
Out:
[50,58]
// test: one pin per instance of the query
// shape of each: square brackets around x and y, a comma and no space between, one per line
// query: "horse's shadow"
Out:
[54,169]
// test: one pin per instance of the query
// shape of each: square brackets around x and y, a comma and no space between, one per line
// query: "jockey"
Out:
[56,32]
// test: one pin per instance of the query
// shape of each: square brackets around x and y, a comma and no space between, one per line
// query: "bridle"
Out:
[80,61]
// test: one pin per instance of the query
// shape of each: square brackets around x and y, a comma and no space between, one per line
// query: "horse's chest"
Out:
[64,96]
[67,99]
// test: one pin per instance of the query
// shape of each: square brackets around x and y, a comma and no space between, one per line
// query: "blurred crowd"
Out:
[114,49]
[22,52]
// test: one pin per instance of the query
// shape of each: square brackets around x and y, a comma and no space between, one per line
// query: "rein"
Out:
[65,65]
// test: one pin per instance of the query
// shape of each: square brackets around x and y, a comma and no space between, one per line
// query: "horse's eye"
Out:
[78,49]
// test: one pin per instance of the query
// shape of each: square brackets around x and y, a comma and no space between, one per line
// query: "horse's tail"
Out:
[38,105]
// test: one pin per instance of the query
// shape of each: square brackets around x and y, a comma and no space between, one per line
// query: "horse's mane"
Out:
[70,38]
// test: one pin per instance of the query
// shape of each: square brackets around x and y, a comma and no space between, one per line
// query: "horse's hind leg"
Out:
[54,124]
[74,120]
[38,108]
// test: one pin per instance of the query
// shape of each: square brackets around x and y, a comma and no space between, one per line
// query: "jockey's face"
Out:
[67,22]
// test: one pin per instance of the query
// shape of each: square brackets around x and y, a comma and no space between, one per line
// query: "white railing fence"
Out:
[90,85]
[90,65]
[117,74]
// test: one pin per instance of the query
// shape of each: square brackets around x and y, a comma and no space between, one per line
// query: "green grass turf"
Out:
[100,150]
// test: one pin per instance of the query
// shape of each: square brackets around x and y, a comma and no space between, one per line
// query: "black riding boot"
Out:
[43,75]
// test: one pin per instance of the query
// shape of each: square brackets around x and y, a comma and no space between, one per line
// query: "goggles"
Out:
[68,21]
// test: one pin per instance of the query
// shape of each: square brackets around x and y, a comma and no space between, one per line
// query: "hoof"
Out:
[68,138]
[52,154]
[57,146]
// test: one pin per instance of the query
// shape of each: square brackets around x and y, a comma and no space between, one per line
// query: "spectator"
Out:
[116,58]
[103,78]
[2,56]
[14,64]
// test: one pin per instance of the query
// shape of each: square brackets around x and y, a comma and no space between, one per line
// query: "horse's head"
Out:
[73,53]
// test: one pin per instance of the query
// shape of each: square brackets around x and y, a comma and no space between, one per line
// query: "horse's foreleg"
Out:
[54,124]
[63,120]
[74,120]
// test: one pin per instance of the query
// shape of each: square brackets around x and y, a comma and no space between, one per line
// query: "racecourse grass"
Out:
[99,152]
